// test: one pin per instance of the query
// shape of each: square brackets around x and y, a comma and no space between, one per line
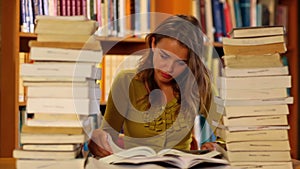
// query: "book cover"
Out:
[263,165]
[258,156]
[258,31]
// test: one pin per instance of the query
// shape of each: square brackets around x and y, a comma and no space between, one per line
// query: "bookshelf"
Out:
[14,41]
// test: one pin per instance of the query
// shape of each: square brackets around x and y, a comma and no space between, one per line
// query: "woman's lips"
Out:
[166,75]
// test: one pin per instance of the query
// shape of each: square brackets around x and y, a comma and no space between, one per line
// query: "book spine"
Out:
[217,18]
[227,18]
[237,10]
[45,7]
[202,15]
[245,12]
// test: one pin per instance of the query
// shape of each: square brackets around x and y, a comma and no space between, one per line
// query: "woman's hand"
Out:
[99,145]
[208,146]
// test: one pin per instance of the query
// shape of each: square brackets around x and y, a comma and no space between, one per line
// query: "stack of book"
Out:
[62,99]
[252,105]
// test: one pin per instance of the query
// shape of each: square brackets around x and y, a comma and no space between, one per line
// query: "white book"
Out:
[28,138]
[240,72]
[61,79]
[59,54]
[61,69]
[274,145]
[258,156]
[258,135]
[77,163]
[26,154]
[51,147]
[62,105]
[253,102]
[263,165]
[87,83]
[242,111]
[86,123]
[248,94]
[271,120]
[253,41]
[64,92]
[249,128]
[265,82]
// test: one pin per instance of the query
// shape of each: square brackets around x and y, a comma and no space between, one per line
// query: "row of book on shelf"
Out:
[253,98]
[132,17]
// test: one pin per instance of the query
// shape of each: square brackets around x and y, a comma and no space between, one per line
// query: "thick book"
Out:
[254,41]
[86,83]
[265,82]
[257,156]
[63,105]
[28,138]
[64,92]
[254,145]
[248,94]
[59,54]
[271,120]
[77,163]
[252,61]
[51,147]
[63,38]
[254,49]
[258,31]
[90,45]
[175,158]
[254,102]
[85,122]
[258,135]
[54,155]
[61,69]
[60,26]
[268,71]
[240,111]
[52,130]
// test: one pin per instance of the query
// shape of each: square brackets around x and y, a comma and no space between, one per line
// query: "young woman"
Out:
[156,104]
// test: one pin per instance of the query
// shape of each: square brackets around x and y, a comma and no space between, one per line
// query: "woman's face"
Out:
[169,60]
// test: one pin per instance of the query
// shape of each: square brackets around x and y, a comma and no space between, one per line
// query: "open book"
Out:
[165,157]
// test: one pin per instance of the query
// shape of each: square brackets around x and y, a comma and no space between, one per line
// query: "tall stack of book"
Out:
[62,98]
[252,105]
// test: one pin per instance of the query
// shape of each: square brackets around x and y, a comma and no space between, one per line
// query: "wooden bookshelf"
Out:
[14,42]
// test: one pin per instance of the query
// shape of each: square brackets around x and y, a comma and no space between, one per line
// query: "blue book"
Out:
[217,20]
[237,11]
[245,12]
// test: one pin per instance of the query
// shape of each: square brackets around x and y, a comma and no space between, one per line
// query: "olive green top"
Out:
[158,126]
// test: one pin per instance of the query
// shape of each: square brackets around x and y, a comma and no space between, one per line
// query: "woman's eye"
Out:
[164,56]
[181,63]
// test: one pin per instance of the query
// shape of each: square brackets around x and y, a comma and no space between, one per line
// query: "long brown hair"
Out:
[187,30]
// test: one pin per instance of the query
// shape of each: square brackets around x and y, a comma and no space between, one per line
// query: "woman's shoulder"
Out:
[126,73]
